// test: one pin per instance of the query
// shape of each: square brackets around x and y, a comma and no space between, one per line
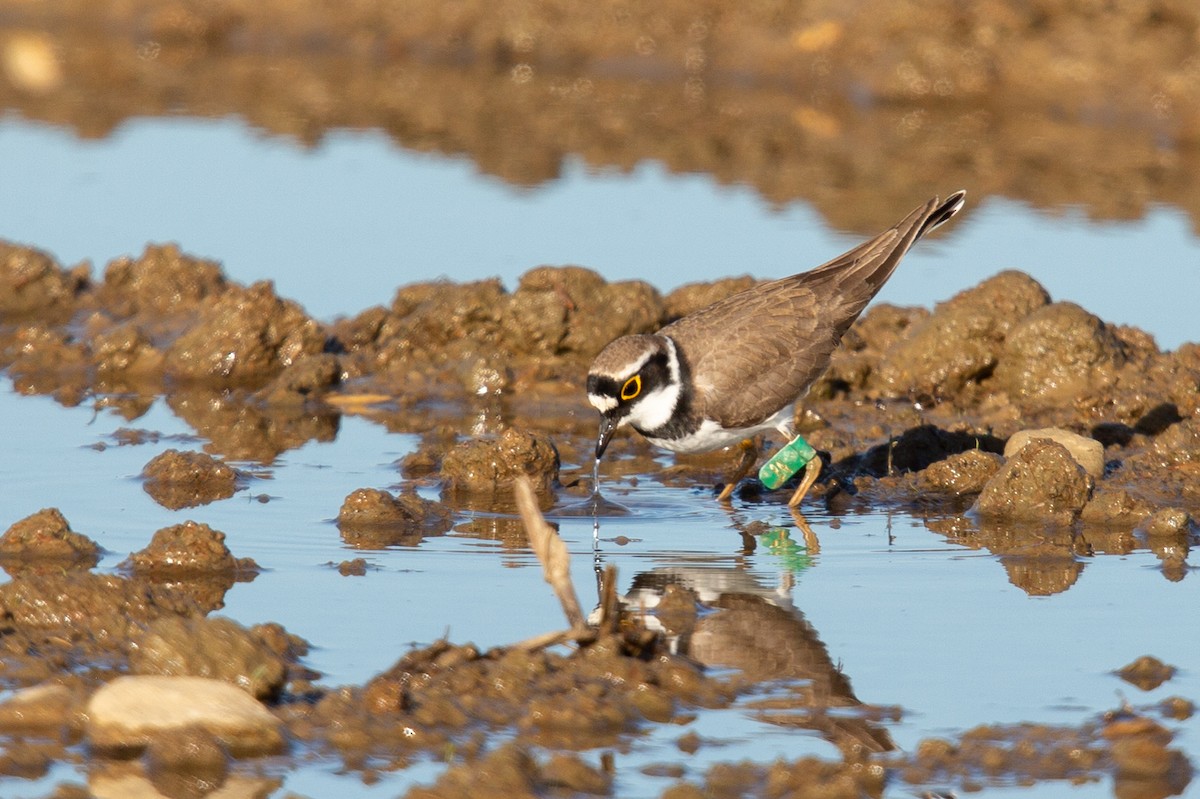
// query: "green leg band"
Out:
[785,463]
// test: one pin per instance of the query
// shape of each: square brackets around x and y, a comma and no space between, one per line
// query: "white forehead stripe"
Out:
[602,403]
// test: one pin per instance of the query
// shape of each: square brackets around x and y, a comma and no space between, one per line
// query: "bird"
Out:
[735,369]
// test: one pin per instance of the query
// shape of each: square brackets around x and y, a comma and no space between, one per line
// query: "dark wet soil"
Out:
[914,412]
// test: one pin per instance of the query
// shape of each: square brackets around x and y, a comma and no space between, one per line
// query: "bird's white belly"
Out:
[711,435]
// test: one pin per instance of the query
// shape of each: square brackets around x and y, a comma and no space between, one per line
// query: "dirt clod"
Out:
[962,340]
[47,536]
[961,474]
[1147,672]
[489,465]
[374,519]
[188,549]
[178,479]
[219,648]
[1056,354]
[1040,482]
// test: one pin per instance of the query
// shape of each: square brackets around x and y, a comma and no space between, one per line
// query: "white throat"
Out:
[655,409]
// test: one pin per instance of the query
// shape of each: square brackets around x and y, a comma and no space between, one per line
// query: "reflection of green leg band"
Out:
[785,463]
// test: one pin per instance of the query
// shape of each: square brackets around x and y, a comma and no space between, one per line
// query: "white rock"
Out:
[1087,452]
[127,712]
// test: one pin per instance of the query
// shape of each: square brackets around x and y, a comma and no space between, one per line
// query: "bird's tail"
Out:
[943,212]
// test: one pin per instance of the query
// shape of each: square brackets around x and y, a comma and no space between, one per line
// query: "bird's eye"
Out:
[632,387]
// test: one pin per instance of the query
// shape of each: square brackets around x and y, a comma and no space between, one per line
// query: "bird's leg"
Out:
[795,455]
[749,448]
[811,470]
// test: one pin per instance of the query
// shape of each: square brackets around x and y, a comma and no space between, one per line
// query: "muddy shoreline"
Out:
[914,413]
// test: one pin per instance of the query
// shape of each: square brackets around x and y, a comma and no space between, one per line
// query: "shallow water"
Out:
[933,631]
[378,217]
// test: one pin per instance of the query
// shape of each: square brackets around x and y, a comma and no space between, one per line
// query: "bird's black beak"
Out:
[608,426]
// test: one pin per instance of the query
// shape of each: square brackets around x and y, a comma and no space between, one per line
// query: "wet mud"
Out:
[959,413]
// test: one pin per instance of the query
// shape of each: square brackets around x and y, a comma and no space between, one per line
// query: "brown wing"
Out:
[772,341]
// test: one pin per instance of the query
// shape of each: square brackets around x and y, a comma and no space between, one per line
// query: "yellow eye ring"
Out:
[632,387]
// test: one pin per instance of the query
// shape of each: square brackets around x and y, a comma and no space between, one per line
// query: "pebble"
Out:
[129,712]
[1087,452]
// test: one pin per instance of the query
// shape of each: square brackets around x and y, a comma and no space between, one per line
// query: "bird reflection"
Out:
[729,617]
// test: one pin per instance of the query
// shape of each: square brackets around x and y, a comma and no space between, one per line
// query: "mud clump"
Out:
[1165,523]
[188,549]
[1116,508]
[178,479]
[125,350]
[591,697]
[1056,354]
[243,336]
[218,648]
[1139,748]
[1147,672]
[308,378]
[488,466]
[962,341]
[374,519]
[555,313]
[1179,443]
[1042,482]
[31,282]
[46,536]
[77,618]
[961,474]
[572,310]
[161,282]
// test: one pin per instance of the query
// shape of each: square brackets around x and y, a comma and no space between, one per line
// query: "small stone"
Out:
[129,712]
[1087,452]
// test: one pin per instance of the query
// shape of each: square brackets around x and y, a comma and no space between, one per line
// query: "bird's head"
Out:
[635,381]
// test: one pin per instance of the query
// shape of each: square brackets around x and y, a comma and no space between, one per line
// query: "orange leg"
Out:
[749,449]
[811,471]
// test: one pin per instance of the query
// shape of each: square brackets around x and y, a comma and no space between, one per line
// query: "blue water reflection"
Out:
[340,226]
